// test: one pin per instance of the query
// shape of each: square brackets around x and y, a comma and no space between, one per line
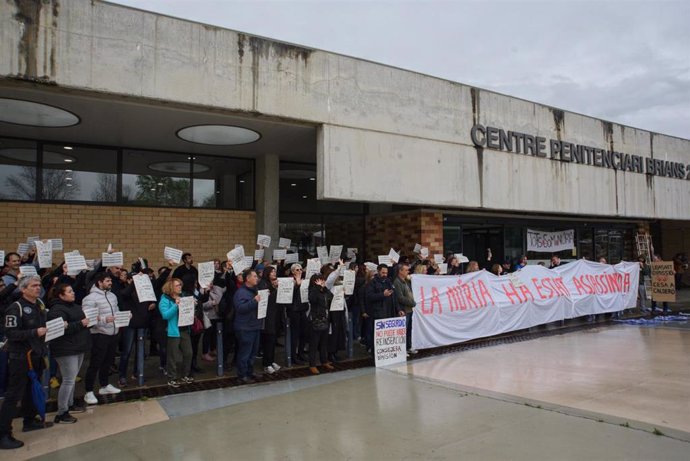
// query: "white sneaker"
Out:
[269,369]
[275,366]
[109,389]
[90,398]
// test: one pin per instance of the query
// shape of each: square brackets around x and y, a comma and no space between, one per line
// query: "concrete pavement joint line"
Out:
[659,430]
[192,403]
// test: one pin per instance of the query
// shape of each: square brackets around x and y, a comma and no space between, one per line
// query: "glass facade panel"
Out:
[223,183]
[18,170]
[155,178]
[79,174]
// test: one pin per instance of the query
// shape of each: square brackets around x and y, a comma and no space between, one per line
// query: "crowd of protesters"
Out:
[314,335]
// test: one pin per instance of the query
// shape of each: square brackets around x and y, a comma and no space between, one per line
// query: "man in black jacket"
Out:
[25,328]
[381,303]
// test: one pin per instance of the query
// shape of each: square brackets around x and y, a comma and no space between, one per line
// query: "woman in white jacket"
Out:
[103,337]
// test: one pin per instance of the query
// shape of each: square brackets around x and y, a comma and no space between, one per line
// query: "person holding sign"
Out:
[405,301]
[103,337]
[319,299]
[179,343]
[297,318]
[274,315]
[247,326]
[380,303]
[68,350]
[25,329]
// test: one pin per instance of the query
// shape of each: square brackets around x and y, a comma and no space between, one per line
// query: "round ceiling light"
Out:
[20,112]
[23,154]
[218,135]
[178,167]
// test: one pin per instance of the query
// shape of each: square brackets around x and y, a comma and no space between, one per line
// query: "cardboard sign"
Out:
[663,281]
[286,285]
[390,341]
[263,304]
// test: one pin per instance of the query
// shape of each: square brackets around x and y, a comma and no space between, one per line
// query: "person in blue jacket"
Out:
[247,326]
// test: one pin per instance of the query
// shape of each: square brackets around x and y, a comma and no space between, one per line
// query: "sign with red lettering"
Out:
[390,336]
[453,309]
[663,281]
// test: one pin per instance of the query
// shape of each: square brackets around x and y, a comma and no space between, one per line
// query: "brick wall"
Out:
[207,234]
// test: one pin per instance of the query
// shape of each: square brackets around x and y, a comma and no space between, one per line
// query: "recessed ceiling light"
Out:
[241,181]
[68,160]
[24,154]
[67,148]
[293,184]
[153,188]
[160,183]
[312,179]
[30,113]
[218,135]
[68,178]
[68,185]
[304,196]
[68,171]
[178,167]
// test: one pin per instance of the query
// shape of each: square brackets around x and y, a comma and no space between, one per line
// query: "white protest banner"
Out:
[352,253]
[54,328]
[371,267]
[304,291]
[264,241]
[57,244]
[453,309]
[291,258]
[75,263]
[206,273]
[417,248]
[23,249]
[443,268]
[462,258]
[186,311]
[44,252]
[32,240]
[286,285]
[334,253]
[438,259]
[338,301]
[279,255]
[28,270]
[550,242]
[144,288]
[112,259]
[313,267]
[424,251]
[259,254]
[284,243]
[390,341]
[394,255]
[385,259]
[91,313]
[322,253]
[122,318]
[263,304]
[172,254]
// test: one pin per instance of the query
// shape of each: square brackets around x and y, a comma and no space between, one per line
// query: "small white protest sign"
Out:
[286,285]
[172,254]
[206,273]
[443,268]
[417,248]
[91,313]
[304,291]
[291,258]
[462,258]
[258,254]
[322,253]
[313,267]
[338,302]
[424,251]
[57,244]
[438,259]
[334,253]
[75,263]
[263,304]
[144,288]
[394,255]
[122,318]
[27,270]
[23,249]
[385,259]
[284,243]
[54,328]
[349,282]
[279,254]
[44,252]
[112,259]
[264,241]
[186,311]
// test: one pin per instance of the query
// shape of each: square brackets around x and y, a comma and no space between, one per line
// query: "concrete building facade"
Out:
[342,143]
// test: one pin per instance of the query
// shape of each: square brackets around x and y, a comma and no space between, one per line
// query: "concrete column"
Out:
[268,197]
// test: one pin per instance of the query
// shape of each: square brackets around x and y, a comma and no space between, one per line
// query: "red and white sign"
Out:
[452,309]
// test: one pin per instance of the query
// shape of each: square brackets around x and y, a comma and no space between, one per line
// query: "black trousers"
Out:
[19,388]
[318,340]
[298,332]
[102,356]
[268,341]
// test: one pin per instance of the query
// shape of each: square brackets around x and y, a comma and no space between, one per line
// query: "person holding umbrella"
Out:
[25,328]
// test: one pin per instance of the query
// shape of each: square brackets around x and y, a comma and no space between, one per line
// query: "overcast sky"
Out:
[620,60]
